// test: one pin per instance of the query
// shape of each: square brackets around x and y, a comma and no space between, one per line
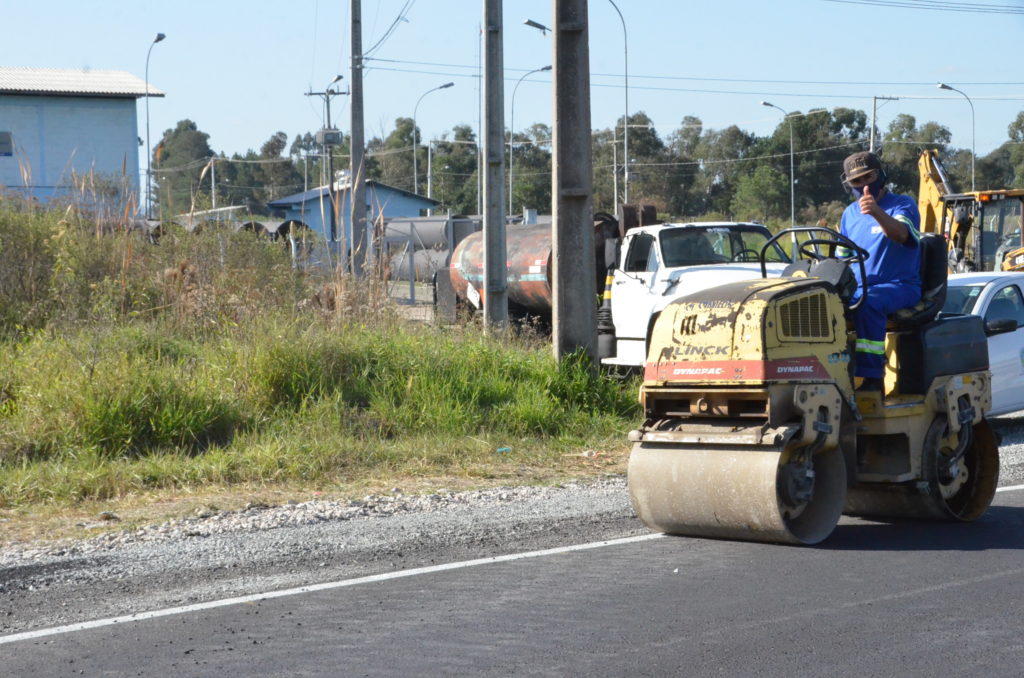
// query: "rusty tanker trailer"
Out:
[528,264]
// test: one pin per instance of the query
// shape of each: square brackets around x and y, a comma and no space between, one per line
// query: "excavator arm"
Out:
[933,185]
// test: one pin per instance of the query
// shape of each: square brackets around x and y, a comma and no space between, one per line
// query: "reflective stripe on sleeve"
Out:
[909,223]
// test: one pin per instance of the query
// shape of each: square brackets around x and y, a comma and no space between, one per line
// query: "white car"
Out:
[995,296]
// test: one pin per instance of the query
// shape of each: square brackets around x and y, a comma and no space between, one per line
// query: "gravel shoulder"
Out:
[223,554]
[263,548]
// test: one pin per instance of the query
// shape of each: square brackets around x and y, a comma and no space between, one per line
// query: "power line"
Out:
[391,29]
[751,93]
[935,5]
[880,83]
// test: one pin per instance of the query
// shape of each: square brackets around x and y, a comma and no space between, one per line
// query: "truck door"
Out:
[1006,351]
[632,296]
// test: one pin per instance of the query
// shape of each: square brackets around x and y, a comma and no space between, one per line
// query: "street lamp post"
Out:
[149,153]
[625,121]
[512,130]
[943,85]
[792,177]
[415,137]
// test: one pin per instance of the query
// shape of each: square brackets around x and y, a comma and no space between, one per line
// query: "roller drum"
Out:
[732,493]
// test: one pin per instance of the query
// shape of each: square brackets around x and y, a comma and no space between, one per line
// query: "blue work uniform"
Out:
[893,275]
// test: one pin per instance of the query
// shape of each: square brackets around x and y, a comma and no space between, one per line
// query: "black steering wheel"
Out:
[821,237]
[745,255]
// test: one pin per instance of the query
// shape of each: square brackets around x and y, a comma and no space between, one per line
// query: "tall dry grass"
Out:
[209,358]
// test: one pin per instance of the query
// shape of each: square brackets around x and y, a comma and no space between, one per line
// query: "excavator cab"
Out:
[983,229]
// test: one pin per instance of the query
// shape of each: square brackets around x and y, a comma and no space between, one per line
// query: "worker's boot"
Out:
[871,384]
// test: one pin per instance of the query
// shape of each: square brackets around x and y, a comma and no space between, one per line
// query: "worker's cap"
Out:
[859,164]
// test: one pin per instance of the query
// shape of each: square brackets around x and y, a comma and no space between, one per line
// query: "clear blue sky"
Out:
[239,69]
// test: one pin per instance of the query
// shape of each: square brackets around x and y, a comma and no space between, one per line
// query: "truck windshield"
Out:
[690,246]
[1000,233]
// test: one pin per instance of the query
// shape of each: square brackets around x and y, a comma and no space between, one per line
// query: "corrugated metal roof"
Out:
[343,185]
[72,82]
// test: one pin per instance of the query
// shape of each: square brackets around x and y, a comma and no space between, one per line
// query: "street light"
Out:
[512,130]
[625,120]
[792,177]
[415,138]
[539,26]
[943,85]
[149,154]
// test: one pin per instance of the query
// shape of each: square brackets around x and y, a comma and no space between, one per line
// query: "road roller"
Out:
[754,430]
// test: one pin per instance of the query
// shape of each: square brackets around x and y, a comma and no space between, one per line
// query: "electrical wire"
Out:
[705,79]
[687,90]
[936,5]
[391,29]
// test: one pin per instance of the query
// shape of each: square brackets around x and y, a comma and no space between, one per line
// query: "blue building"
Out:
[58,123]
[312,208]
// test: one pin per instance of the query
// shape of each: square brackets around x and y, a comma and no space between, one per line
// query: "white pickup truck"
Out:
[658,264]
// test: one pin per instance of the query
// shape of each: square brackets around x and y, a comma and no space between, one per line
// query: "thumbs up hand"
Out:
[867,202]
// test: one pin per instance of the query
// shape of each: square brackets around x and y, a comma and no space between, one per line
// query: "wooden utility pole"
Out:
[574,306]
[357,170]
[495,256]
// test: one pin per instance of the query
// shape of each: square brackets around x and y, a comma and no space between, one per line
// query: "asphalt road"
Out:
[913,599]
[876,599]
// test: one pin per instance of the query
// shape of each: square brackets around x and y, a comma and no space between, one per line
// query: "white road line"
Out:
[256,597]
[1010,488]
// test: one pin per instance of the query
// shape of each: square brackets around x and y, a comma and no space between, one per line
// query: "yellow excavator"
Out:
[982,228]
[753,429]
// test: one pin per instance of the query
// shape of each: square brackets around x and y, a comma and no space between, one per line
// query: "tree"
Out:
[455,170]
[276,179]
[606,162]
[902,146]
[1015,131]
[532,169]
[723,157]
[761,194]
[393,156]
[996,170]
[653,177]
[178,161]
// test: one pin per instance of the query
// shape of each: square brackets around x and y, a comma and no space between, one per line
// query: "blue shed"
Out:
[55,123]
[312,208]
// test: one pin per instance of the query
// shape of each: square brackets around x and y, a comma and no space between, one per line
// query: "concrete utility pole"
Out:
[495,256]
[574,307]
[357,180]
[327,143]
[874,114]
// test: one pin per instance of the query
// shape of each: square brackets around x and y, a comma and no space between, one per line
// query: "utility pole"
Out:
[479,122]
[495,270]
[874,114]
[329,138]
[574,307]
[357,180]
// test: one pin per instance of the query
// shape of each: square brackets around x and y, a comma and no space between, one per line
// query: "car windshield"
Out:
[689,246]
[961,298]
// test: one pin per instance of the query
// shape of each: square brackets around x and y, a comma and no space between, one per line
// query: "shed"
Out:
[59,122]
[312,207]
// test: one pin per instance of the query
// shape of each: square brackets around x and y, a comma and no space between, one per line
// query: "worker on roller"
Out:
[886,225]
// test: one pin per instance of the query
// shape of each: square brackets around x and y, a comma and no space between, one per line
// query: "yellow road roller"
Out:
[753,429]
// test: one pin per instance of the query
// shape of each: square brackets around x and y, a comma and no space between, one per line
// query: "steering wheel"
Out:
[745,255]
[831,240]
